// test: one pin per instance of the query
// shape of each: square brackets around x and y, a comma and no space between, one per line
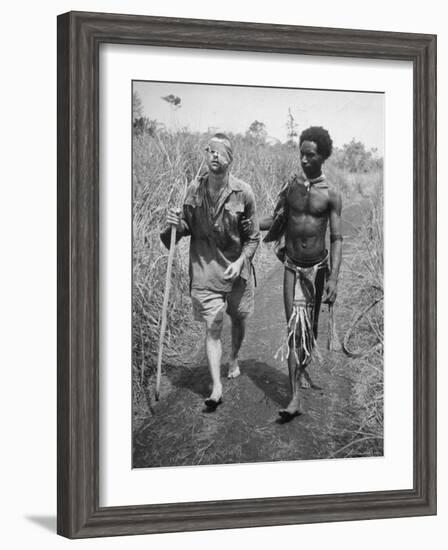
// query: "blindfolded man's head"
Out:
[219,153]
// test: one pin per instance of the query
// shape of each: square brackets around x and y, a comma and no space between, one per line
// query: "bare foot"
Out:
[292,410]
[234,369]
[215,398]
[305,381]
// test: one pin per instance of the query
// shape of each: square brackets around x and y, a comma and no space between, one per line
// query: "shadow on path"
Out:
[195,379]
[246,427]
[273,383]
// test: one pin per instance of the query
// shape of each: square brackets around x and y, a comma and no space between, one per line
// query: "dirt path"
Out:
[246,427]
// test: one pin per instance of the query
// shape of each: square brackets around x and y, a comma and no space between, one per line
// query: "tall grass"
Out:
[163,164]
[364,293]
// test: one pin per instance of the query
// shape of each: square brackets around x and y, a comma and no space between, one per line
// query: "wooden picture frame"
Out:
[79,38]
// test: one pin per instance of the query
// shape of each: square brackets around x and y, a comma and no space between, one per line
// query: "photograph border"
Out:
[80,35]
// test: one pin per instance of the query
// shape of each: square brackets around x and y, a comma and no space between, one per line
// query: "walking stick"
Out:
[166,299]
[165,308]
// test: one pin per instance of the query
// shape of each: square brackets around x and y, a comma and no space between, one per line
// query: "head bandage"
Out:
[222,146]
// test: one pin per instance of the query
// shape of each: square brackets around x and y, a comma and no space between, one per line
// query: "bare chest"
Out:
[314,202]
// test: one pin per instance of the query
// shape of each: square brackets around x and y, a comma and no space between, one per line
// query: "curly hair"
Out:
[321,138]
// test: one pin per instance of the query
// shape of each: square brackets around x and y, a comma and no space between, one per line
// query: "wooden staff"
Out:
[166,297]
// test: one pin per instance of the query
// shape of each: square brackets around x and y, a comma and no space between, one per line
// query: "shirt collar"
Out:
[233,183]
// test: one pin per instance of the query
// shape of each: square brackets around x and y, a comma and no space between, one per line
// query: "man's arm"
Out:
[241,266]
[276,224]
[336,245]
[179,219]
[276,219]
[252,237]
[266,222]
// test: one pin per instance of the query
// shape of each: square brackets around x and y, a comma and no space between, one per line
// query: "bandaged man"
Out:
[306,205]
[220,254]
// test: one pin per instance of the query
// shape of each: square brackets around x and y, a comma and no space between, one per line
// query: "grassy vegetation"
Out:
[363,293]
[163,163]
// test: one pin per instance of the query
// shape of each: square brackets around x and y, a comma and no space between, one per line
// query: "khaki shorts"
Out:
[209,306]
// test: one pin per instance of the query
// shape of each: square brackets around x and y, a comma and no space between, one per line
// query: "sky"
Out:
[346,115]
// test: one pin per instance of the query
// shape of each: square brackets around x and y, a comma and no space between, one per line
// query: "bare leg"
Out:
[305,381]
[238,332]
[293,409]
[213,350]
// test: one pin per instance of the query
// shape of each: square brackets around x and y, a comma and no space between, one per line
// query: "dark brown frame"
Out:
[79,38]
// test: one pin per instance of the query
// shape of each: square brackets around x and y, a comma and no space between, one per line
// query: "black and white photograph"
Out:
[222,317]
[257,266]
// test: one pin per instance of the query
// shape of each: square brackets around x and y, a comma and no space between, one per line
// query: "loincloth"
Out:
[309,282]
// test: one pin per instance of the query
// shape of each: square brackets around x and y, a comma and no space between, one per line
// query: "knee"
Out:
[213,332]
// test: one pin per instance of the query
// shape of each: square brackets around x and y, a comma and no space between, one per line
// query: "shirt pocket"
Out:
[234,208]
[233,213]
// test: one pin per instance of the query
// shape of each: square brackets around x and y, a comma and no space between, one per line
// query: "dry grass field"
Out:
[163,164]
